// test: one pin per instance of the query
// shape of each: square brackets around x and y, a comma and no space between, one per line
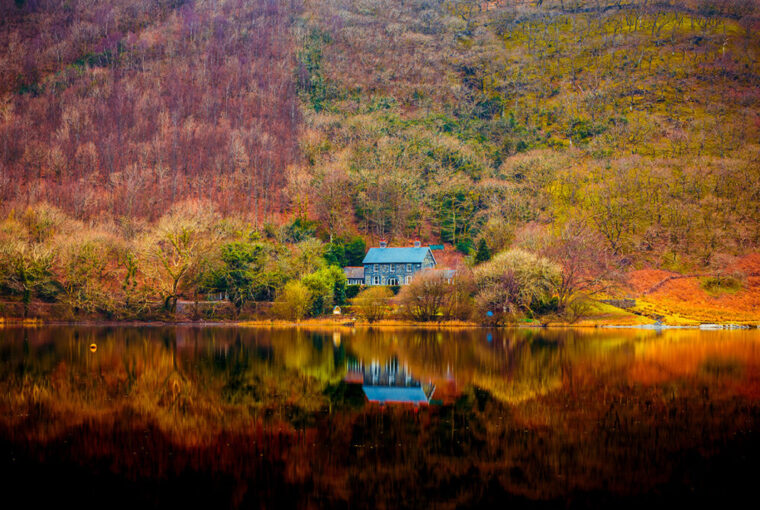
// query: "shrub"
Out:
[510,283]
[294,301]
[425,297]
[352,291]
[86,275]
[327,287]
[722,283]
[372,304]
[27,271]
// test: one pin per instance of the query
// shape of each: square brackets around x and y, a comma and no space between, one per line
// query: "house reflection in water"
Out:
[389,383]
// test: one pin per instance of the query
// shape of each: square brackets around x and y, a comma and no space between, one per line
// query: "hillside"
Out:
[628,128]
[123,107]
[460,119]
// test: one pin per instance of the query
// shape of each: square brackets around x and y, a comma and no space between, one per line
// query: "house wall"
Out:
[399,271]
[429,261]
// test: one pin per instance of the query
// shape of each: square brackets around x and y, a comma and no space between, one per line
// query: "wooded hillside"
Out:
[122,107]
[635,123]
[462,119]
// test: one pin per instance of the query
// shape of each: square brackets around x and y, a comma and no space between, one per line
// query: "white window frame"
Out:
[385,268]
[408,268]
[376,268]
[376,280]
[407,280]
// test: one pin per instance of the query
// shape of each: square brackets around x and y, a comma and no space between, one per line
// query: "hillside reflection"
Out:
[271,417]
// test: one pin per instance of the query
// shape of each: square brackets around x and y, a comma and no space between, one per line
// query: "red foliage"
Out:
[127,107]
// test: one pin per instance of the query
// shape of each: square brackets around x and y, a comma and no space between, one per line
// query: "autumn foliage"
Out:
[458,122]
[125,107]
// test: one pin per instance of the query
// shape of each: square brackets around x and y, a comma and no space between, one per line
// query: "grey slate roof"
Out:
[396,255]
[354,273]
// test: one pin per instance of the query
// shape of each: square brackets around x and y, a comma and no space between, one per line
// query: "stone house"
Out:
[396,266]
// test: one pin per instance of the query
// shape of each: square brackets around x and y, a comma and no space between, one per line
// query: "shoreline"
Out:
[349,323]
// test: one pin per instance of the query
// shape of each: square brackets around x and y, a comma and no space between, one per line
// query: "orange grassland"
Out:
[682,299]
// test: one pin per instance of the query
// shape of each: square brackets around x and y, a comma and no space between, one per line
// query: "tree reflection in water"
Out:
[273,417]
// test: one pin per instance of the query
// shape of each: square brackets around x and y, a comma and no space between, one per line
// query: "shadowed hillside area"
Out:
[605,135]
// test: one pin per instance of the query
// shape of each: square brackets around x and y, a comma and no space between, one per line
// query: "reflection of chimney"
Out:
[416,243]
[383,243]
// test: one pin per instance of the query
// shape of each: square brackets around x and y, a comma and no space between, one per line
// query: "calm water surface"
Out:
[280,418]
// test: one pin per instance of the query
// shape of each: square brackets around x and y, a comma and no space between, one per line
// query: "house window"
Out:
[419,266]
[376,280]
[408,268]
[385,268]
[392,267]
[407,279]
[376,268]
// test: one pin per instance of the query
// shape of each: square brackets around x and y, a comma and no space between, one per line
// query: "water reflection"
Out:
[389,383]
[289,417]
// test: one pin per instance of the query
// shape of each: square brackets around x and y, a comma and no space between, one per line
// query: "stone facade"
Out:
[399,272]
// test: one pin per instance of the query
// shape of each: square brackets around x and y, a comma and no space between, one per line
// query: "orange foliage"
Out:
[448,258]
[645,279]
[749,264]
[686,297]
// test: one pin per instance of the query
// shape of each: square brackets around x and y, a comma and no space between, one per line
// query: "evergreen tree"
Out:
[483,254]
[355,251]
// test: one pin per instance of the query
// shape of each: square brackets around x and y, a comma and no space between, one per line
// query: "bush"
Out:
[425,297]
[722,283]
[294,301]
[372,304]
[300,230]
[430,296]
[352,291]
[27,271]
[327,287]
[85,276]
[511,283]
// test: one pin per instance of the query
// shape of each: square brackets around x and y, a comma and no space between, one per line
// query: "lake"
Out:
[228,417]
